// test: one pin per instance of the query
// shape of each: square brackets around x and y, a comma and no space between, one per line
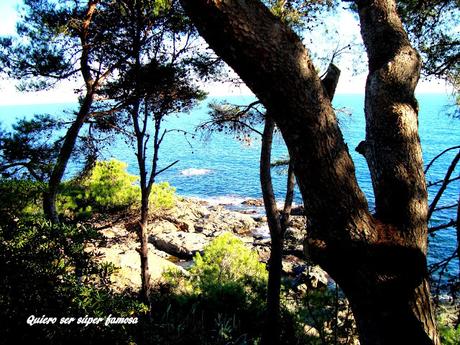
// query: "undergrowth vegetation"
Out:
[48,269]
[20,198]
[220,299]
[105,187]
[108,187]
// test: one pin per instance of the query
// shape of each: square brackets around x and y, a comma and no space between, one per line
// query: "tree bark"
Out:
[49,197]
[272,328]
[278,222]
[140,132]
[392,146]
[144,250]
[457,225]
[379,262]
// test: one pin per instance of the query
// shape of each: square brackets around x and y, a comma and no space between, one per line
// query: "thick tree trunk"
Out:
[380,262]
[392,147]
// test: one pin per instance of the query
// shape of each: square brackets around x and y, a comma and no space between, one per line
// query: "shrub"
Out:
[220,301]
[108,187]
[162,196]
[226,261]
[20,198]
[449,335]
[46,271]
[449,329]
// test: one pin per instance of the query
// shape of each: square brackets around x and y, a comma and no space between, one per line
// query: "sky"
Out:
[345,24]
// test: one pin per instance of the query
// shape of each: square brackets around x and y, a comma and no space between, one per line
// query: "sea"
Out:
[221,169]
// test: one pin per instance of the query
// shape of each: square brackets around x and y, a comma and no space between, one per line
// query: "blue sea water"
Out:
[225,170]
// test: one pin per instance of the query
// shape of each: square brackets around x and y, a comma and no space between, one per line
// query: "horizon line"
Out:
[210,95]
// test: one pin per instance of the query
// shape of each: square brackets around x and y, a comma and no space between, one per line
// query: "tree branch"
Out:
[442,226]
[441,190]
[439,155]
[166,168]
[431,184]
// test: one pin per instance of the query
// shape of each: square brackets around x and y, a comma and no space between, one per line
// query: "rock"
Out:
[206,229]
[264,253]
[248,240]
[129,273]
[177,234]
[261,232]
[294,235]
[311,331]
[293,241]
[312,276]
[114,231]
[161,226]
[221,219]
[189,210]
[183,245]
[253,202]
[316,276]
[174,225]
[187,225]
[248,212]
[260,219]
[297,222]
[262,241]
[290,263]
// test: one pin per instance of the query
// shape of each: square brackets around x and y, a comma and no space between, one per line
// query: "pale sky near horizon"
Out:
[348,83]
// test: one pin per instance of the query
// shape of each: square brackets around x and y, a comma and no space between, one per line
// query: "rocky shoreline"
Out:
[177,234]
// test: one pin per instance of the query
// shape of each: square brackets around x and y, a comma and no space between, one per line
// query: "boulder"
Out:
[315,276]
[297,222]
[293,241]
[311,331]
[312,276]
[260,218]
[189,210]
[128,274]
[264,253]
[253,202]
[220,219]
[161,226]
[183,245]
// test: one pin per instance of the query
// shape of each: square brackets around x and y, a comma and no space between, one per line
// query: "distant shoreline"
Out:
[36,101]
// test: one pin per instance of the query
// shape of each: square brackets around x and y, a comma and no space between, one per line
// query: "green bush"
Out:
[162,196]
[108,187]
[449,335]
[220,301]
[226,261]
[449,331]
[20,198]
[46,271]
